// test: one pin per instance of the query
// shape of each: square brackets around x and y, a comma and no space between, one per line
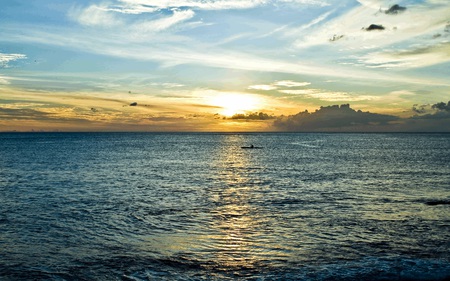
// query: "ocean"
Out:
[196,206]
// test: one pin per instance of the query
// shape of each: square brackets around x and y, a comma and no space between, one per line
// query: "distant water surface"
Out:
[150,206]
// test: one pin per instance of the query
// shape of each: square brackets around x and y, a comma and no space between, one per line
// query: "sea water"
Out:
[153,206]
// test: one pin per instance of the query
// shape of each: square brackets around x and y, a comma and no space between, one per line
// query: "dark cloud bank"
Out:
[395,10]
[343,118]
[374,27]
[252,116]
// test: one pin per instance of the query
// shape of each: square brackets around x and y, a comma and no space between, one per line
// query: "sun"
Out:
[233,103]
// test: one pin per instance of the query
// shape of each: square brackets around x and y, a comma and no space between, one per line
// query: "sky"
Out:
[216,65]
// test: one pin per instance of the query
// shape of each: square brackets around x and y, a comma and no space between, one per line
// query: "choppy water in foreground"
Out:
[125,206]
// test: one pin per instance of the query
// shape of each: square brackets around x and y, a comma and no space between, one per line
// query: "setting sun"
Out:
[234,103]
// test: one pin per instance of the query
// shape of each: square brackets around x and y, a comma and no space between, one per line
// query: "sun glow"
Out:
[233,103]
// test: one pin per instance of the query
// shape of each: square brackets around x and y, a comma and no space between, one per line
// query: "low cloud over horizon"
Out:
[333,118]
[343,118]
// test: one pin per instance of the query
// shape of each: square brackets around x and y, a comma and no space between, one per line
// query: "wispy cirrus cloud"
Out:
[196,4]
[420,57]
[290,83]
[105,16]
[6,59]
[352,26]
[130,8]
[416,36]
[172,50]
[418,22]
[329,95]
[163,23]
[4,80]
[299,89]
[262,87]
[94,15]
[295,31]
[276,85]
[147,5]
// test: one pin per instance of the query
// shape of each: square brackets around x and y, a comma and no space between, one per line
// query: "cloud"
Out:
[401,32]
[166,119]
[375,27]
[413,58]
[4,80]
[290,83]
[373,4]
[37,115]
[334,118]
[395,9]
[327,95]
[170,53]
[168,85]
[320,3]
[6,59]
[174,49]
[252,116]
[336,37]
[21,114]
[25,110]
[132,38]
[294,32]
[441,106]
[276,85]
[135,6]
[163,23]
[94,15]
[130,8]
[440,115]
[421,109]
[432,111]
[262,87]
[429,118]
[196,4]
[106,14]
[93,119]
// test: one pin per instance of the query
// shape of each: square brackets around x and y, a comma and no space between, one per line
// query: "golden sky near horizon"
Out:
[215,65]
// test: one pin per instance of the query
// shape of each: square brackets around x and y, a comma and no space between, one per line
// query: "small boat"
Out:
[251,147]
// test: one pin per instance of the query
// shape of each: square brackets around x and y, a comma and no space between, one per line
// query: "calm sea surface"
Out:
[130,206]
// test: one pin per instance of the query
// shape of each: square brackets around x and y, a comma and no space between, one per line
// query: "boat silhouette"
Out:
[251,147]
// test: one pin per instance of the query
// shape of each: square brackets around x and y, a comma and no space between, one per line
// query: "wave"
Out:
[187,268]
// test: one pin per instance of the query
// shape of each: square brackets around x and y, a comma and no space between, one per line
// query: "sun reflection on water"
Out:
[231,229]
[238,225]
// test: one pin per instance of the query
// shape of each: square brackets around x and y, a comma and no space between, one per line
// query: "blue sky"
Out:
[190,64]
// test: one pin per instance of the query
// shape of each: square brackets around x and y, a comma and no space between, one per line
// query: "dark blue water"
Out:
[129,206]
